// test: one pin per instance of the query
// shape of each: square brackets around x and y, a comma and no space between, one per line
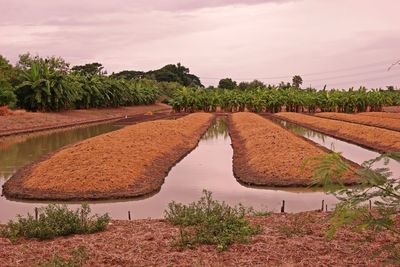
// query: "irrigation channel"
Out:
[209,166]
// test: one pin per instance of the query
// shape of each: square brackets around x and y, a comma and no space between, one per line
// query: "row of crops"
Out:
[41,87]
[275,99]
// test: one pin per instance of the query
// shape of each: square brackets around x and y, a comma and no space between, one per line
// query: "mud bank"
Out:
[266,154]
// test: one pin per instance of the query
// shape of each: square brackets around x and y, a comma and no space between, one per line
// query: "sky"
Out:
[339,43]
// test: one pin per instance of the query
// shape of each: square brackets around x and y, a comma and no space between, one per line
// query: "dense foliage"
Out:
[273,99]
[210,222]
[169,73]
[47,84]
[56,220]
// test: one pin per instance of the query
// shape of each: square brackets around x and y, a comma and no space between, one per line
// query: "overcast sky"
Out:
[340,43]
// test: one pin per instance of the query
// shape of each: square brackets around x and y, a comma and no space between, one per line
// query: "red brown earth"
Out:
[286,240]
[25,122]
[267,154]
[380,121]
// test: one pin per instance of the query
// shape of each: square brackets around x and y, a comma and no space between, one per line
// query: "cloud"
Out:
[215,39]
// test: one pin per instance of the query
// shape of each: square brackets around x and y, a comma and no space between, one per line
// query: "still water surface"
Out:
[209,167]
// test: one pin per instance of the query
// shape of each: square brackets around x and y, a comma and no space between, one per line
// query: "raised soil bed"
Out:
[381,140]
[377,121]
[267,154]
[129,162]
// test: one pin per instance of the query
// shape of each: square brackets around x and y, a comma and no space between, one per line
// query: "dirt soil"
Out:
[381,122]
[381,140]
[24,122]
[286,240]
[129,162]
[267,154]
[390,115]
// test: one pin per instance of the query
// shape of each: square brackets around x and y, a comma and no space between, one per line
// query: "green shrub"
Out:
[56,220]
[79,256]
[210,222]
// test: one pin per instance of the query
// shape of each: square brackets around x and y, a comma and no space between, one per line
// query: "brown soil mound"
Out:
[390,115]
[381,122]
[150,243]
[267,154]
[378,139]
[24,122]
[129,162]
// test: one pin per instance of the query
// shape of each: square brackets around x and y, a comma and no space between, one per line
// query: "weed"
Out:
[210,222]
[56,220]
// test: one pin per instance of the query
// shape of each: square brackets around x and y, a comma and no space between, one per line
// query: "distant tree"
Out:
[297,81]
[244,85]
[129,74]
[256,84]
[7,75]
[283,85]
[94,68]
[169,73]
[54,63]
[227,83]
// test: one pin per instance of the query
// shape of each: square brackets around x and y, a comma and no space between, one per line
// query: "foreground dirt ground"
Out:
[267,154]
[24,121]
[286,240]
[128,162]
[379,139]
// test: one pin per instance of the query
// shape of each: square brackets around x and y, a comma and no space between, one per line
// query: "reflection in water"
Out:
[21,150]
[218,129]
[209,167]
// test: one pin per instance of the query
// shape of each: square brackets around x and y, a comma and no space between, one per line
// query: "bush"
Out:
[56,220]
[210,222]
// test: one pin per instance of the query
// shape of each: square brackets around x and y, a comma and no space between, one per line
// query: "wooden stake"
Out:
[36,213]
[370,204]
[322,207]
[326,207]
[129,215]
[283,206]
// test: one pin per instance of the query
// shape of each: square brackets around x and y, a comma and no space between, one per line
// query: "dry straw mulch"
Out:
[286,240]
[379,139]
[391,115]
[267,154]
[377,121]
[129,162]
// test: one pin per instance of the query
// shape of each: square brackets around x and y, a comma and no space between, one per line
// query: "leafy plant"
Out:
[210,222]
[377,188]
[56,220]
